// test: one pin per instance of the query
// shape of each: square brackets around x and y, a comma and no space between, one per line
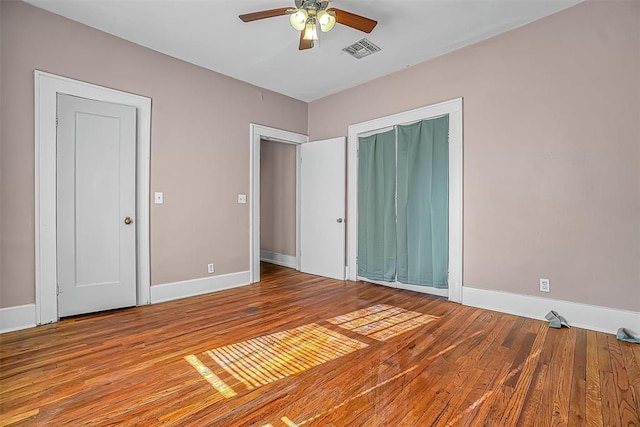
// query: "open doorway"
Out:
[259,133]
[278,203]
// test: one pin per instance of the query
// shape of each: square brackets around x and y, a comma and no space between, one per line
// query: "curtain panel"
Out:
[376,206]
[423,203]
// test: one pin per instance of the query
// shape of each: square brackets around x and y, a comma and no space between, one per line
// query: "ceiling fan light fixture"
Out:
[308,15]
[327,20]
[310,31]
[298,19]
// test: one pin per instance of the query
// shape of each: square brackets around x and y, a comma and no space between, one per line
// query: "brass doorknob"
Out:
[127,220]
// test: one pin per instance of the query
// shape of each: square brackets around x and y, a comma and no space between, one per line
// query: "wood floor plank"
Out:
[627,404]
[633,371]
[538,404]
[610,415]
[594,388]
[632,364]
[539,383]
[564,379]
[461,366]
[514,407]
[578,400]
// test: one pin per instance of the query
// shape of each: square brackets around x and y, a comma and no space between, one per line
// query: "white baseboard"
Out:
[596,318]
[279,259]
[429,290]
[415,288]
[18,317]
[190,288]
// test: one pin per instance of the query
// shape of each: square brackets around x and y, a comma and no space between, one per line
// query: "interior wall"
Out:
[199,144]
[551,150]
[278,197]
[1,138]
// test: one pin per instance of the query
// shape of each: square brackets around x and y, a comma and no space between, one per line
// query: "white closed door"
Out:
[96,228]
[322,208]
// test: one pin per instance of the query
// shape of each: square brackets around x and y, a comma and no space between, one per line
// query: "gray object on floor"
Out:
[556,321]
[626,335]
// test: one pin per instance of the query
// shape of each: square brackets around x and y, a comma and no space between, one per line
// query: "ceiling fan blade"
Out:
[354,21]
[248,17]
[304,44]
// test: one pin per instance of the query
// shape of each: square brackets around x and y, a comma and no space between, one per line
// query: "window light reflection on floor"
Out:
[265,359]
[382,322]
[212,378]
[262,360]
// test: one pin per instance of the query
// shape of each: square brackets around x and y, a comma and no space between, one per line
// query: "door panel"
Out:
[322,207]
[95,193]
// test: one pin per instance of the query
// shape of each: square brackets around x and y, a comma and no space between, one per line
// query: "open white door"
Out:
[322,208]
[96,205]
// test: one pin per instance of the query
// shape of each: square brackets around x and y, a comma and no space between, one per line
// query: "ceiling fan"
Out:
[309,14]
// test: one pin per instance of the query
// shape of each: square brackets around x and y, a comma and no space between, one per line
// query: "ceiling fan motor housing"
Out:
[311,4]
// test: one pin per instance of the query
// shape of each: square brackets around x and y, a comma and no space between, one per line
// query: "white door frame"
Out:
[47,86]
[454,109]
[256,134]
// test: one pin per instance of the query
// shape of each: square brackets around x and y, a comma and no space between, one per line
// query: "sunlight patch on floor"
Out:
[265,359]
[288,422]
[382,322]
[212,378]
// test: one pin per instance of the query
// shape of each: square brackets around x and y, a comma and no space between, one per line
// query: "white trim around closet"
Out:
[454,109]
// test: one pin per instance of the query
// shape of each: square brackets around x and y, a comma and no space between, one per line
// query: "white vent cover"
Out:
[361,48]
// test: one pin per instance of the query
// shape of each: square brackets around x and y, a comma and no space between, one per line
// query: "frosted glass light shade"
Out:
[298,19]
[326,21]
[310,32]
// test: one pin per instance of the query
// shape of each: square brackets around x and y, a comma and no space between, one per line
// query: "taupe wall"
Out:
[551,150]
[552,161]
[278,197]
[1,137]
[199,144]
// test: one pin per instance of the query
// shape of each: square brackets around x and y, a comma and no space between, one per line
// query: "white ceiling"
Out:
[265,53]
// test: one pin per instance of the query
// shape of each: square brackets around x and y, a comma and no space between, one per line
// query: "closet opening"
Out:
[405,200]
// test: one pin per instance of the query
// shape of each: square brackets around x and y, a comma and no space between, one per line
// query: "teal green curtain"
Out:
[423,203]
[376,206]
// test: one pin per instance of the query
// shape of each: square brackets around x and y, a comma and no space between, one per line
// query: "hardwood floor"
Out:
[302,350]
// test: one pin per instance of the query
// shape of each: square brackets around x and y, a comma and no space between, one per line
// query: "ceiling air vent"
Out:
[361,48]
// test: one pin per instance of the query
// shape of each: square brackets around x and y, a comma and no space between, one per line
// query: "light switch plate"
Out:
[242,198]
[159,197]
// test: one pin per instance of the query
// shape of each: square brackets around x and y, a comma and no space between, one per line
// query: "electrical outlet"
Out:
[544,285]
[210,268]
